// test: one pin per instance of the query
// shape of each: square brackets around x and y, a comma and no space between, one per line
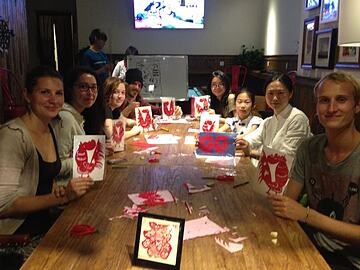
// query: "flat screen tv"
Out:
[170,14]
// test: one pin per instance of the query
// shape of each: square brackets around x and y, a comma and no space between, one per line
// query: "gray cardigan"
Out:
[19,168]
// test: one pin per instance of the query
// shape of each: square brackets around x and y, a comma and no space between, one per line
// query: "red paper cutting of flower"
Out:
[157,241]
[152,198]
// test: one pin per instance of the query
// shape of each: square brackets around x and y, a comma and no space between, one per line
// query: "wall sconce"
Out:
[349,23]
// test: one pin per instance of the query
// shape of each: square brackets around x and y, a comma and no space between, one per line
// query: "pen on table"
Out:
[165,129]
[119,167]
[240,184]
[188,207]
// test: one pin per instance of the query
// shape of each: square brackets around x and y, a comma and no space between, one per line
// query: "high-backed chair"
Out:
[13,103]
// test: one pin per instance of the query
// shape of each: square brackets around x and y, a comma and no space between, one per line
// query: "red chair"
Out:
[238,74]
[13,105]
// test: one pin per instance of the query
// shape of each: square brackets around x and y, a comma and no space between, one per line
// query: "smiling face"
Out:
[335,104]
[277,96]
[118,96]
[217,87]
[84,92]
[133,90]
[46,98]
[243,105]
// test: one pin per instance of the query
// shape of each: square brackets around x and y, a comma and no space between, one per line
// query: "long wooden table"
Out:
[240,209]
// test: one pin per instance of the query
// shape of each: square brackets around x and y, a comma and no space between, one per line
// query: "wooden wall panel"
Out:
[17,57]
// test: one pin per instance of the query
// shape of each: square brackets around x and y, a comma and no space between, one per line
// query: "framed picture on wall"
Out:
[325,48]
[348,57]
[311,25]
[329,11]
[158,242]
[310,4]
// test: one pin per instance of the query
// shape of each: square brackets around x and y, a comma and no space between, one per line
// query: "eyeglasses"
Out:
[218,73]
[84,87]
[220,85]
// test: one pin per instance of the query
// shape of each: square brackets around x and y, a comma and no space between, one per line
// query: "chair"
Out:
[12,106]
[238,74]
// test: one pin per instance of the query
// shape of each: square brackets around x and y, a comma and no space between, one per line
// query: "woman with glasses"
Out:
[222,102]
[283,131]
[114,96]
[81,113]
[29,162]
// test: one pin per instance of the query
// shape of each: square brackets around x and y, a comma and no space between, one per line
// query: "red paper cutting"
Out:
[82,230]
[157,241]
[152,198]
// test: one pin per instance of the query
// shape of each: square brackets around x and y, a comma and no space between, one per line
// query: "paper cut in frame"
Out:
[158,242]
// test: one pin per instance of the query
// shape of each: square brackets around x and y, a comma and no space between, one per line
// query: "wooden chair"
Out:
[13,102]
[238,76]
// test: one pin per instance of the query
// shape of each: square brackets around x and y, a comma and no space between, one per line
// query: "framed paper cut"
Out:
[168,107]
[216,144]
[118,134]
[348,57]
[325,48]
[209,122]
[144,118]
[311,25]
[199,104]
[310,4]
[158,242]
[89,156]
[329,11]
[274,169]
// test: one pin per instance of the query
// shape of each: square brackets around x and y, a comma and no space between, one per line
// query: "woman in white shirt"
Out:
[283,131]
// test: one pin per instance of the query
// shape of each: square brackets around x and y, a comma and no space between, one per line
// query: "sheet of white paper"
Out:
[201,227]
[173,121]
[193,130]
[231,247]
[147,150]
[164,194]
[189,140]
[89,156]
[161,139]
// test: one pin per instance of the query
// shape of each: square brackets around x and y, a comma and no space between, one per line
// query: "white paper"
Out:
[201,227]
[189,140]
[89,156]
[118,134]
[161,139]
[164,194]
[144,118]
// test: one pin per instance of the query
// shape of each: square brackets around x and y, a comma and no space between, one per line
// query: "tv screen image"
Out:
[175,14]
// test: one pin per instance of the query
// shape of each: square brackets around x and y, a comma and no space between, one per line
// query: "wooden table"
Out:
[240,209]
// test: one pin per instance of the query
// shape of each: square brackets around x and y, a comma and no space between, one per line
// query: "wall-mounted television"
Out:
[170,14]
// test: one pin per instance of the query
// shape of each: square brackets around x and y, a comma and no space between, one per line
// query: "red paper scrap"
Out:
[82,230]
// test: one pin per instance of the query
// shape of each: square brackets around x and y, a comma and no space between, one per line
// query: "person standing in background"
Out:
[94,58]
[121,67]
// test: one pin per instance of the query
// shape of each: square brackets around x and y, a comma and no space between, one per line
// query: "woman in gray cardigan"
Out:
[29,159]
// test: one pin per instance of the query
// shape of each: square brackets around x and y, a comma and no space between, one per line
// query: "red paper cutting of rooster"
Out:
[274,171]
[144,118]
[89,156]
[199,105]
[118,135]
[209,122]
[168,107]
